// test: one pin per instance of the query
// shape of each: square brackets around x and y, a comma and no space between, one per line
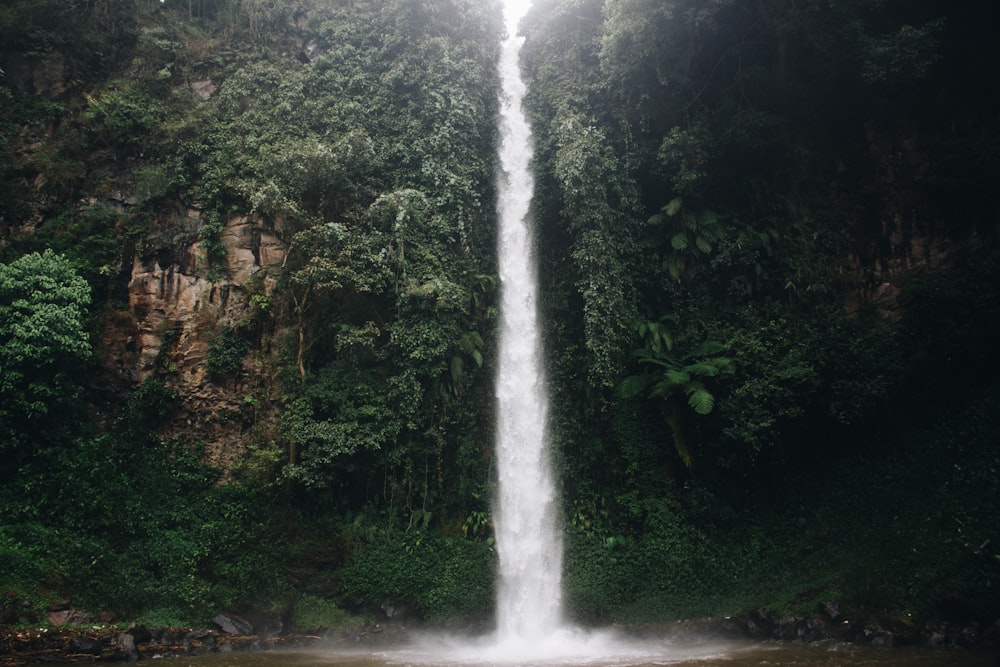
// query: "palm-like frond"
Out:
[699,398]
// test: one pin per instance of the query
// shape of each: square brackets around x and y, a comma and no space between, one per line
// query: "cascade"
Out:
[529,596]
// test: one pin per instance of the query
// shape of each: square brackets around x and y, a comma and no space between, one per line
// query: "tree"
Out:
[43,340]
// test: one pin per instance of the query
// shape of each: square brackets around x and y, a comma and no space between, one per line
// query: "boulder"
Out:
[232,624]
[68,617]
[86,646]
[126,644]
[760,624]
[786,628]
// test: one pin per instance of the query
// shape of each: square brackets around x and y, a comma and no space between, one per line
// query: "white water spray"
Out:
[529,591]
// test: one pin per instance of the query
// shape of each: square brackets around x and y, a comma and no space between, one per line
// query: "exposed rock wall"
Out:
[178,304]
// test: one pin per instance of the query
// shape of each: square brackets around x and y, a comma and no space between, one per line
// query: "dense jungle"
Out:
[248,302]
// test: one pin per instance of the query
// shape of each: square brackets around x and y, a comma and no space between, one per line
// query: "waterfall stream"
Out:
[529,595]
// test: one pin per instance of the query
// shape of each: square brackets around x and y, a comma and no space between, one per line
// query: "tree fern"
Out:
[699,398]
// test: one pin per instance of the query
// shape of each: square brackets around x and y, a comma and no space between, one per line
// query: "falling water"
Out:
[529,596]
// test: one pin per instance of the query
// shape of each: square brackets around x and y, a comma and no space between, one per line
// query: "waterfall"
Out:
[529,592]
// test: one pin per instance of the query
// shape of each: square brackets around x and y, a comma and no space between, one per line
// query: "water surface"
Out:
[642,654]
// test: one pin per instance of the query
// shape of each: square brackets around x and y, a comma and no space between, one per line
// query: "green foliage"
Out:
[782,137]
[440,577]
[43,303]
[596,205]
[42,308]
[227,351]
[210,235]
[683,156]
[691,235]
[312,613]
[123,117]
[902,57]
[683,374]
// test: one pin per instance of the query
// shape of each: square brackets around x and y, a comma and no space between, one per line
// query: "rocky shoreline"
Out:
[75,644]
[830,625]
[108,644]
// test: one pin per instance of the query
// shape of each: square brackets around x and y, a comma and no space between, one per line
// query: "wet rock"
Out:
[938,638]
[394,610]
[969,635]
[268,624]
[872,633]
[811,629]
[786,628]
[760,624]
[69,617]
[233,625]
[86,646]
[199,642]
[126,644]
[61,605]
[141,634]
[831,610]
[732,627]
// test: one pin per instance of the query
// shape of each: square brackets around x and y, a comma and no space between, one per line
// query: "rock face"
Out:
[179,301]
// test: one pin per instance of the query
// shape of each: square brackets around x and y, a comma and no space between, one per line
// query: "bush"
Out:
[440,577]
[226,352]
[312,612]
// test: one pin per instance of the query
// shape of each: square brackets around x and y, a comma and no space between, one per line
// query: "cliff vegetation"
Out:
[248,305]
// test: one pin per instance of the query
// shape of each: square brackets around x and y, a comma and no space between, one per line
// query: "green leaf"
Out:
[679,241]
[700,400]
[673,206]
[456,369]
[675,265]
[704,369]
[633,385]
[677,377]
[709,347]
[703,244]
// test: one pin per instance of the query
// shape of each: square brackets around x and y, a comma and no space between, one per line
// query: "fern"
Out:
[700,399]
[709,347]
[703,368]
[633,385]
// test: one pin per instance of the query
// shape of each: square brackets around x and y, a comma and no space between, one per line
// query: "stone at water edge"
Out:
[126,643]
[86,645]
[232,624]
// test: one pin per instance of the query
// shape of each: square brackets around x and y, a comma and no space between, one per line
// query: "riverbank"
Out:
[25,646]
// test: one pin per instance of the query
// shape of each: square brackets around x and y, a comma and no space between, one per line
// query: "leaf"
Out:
[675,265]
[655,219]
[679,241]
[677,377]
[709,347]
[633,385]
[700,399]
[673,206]
[704,369]
[707,218]
[646,358]
[665,339]
[703,244]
